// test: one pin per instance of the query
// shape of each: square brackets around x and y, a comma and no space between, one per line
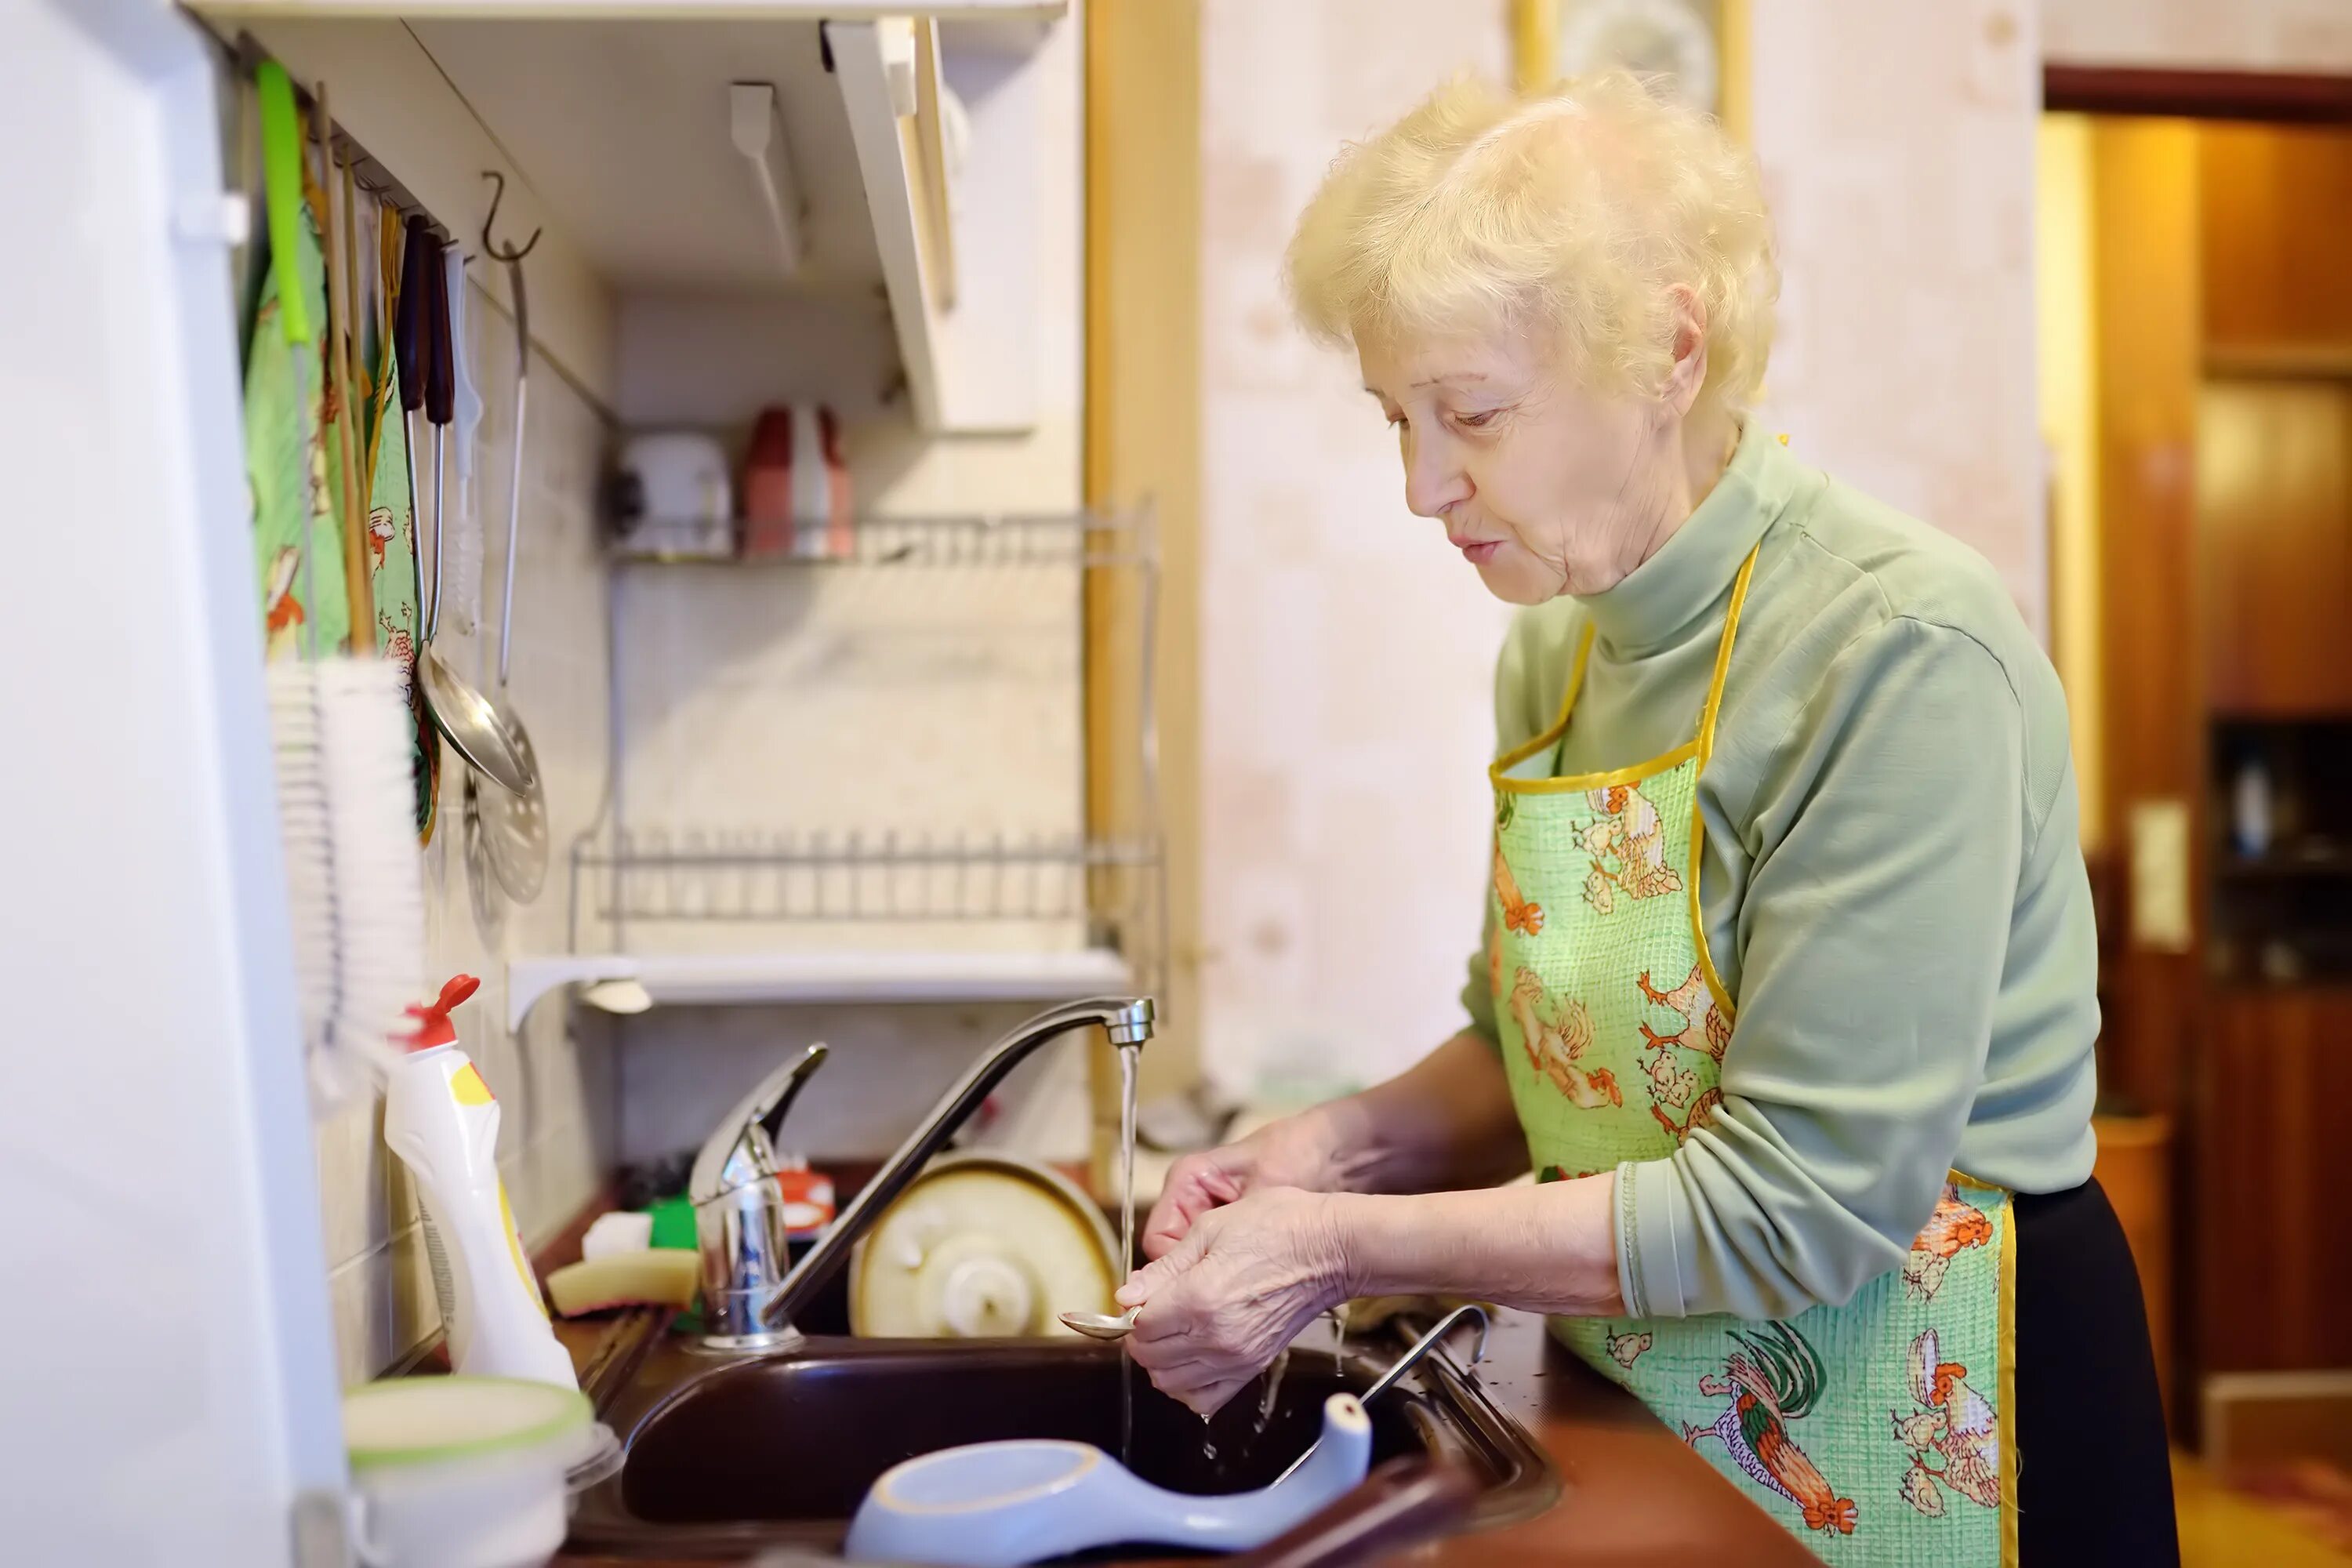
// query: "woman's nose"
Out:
[1432,480]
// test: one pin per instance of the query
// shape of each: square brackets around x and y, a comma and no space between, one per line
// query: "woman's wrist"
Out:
[1313,1148]
[1548,1250]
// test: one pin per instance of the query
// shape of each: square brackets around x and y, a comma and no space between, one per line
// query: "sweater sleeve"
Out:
[1887,830]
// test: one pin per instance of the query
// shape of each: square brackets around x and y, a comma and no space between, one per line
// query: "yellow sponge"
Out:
[661,1277]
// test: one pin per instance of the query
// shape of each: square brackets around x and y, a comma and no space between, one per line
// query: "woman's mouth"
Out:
[1480,551]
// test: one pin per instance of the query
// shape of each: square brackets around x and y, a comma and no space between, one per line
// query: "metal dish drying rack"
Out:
[626,879]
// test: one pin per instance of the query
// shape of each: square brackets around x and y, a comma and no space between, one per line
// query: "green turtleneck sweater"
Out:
[1892,888]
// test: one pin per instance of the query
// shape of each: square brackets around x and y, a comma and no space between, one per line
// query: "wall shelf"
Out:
[977,539]
[2330,362]
[932,909]
[2285,864]
[754,877]
[805,977]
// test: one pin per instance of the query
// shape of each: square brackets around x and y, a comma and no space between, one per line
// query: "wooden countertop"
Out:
[1632,1494]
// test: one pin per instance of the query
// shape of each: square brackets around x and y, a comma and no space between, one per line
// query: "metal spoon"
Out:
[1405,1362]
[1102,1325]
[461,713]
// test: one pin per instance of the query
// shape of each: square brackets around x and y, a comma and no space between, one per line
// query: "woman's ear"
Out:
[1688,342]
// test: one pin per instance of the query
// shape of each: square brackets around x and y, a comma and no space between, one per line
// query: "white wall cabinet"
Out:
[729,162]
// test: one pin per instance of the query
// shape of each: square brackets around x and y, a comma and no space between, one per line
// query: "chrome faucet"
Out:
[739,1214]
[738,1211]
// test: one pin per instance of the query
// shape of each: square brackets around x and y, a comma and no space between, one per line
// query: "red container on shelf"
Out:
[795,488]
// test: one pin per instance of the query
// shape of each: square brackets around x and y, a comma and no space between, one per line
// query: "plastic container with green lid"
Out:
[469,1472]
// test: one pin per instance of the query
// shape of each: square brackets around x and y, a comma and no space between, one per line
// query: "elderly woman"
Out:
[1787,986]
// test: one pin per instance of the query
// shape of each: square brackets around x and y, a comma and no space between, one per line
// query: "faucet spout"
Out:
[1129,1021]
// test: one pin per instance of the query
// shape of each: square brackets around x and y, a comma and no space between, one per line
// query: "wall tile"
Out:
[682,1068]
[2314,36]
[554,1087]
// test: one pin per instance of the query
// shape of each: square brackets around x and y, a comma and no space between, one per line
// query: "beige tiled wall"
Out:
[684,1067]
[554,1081]
[1345,654]
[2301,36]
[1897,150]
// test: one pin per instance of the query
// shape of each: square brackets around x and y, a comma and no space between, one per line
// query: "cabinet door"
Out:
[2275,520]
[2275,1272]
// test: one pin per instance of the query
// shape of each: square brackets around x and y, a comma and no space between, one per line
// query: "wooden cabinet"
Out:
[2276,215]
[2274,418]
[2274,518]
[2273,1273]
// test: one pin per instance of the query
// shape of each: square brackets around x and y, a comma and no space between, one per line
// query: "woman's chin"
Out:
[1512,577]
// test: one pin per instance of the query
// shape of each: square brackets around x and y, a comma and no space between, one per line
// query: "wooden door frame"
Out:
[2147,442]
[1142,453]
[2278,97]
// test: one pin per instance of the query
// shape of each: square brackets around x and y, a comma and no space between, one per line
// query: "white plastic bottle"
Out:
[440,1117]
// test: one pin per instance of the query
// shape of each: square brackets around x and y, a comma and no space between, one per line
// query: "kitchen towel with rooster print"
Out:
[1876,1431]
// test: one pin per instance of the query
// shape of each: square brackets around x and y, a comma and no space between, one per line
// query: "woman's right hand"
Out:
[1295,1151]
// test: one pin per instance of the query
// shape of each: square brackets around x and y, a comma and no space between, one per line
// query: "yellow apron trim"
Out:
[2006,1356]
[1699,746]
[1723,656]
[1575,784]
[1552,735]
[1706,744]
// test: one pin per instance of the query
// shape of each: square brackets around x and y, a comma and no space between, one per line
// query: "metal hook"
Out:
[499,252]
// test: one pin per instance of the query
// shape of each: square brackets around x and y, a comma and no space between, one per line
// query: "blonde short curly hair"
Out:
[1574,213]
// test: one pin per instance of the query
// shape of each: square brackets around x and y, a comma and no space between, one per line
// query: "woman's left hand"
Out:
[1239,1287]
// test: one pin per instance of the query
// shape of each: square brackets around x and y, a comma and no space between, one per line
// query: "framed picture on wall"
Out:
[1681,46]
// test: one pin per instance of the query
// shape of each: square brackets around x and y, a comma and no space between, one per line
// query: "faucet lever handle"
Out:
[749,1128]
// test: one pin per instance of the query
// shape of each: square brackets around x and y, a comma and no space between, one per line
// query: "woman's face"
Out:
[1545,487]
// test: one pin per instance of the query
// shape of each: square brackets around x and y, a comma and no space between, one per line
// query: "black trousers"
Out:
[2094,1474]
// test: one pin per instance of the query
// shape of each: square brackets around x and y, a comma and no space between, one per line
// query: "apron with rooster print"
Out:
[1878,1431]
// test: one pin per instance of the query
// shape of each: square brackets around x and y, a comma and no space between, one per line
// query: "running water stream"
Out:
[1127,1055]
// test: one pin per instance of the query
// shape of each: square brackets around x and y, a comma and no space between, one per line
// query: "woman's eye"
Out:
[1478,421]
[1396,421]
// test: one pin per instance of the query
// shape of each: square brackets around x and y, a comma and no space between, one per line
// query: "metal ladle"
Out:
[514,825]
[461,713]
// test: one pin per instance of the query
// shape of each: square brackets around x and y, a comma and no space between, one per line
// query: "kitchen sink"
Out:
[727,1458]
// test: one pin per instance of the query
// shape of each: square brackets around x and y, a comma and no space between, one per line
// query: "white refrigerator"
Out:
[167,1383]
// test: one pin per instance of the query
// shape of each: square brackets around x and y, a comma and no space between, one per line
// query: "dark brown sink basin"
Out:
[727,1458]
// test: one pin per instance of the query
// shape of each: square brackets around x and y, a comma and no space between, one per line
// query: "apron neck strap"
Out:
[1714,682]
[1723,656]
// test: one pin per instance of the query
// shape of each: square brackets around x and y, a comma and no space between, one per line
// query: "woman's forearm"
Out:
[1444,1122]
[1548,1248]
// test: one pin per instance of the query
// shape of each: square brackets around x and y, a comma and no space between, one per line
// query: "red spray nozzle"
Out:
[432,1024]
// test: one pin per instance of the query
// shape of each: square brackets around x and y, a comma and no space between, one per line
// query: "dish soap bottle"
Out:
[441,1118]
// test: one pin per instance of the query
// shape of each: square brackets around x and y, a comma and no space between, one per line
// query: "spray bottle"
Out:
[440,1117]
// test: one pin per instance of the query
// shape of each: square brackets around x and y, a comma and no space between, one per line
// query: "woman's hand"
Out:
[1219,1304]
[1295,1151]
